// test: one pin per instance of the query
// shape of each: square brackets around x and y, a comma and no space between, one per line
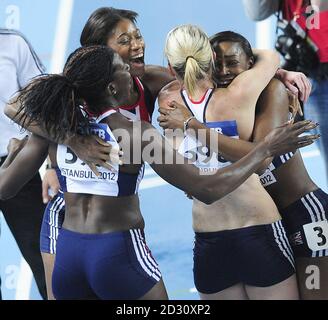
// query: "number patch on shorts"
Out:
[267,178]
[316,234]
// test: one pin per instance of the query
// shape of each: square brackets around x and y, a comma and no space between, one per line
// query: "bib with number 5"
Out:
[79,177]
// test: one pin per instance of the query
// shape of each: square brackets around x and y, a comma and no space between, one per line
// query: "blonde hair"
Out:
[190,54]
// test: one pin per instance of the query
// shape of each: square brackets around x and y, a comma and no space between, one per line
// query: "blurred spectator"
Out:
[304,44]
[23,213]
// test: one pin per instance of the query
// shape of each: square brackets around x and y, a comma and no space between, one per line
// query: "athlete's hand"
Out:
[296,82]
[95,151]
[287,137]
[49,182]
[173,116]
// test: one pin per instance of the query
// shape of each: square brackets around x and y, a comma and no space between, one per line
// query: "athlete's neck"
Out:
[202,86]
[134,95]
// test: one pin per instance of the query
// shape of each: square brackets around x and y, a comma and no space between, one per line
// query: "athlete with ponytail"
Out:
[241,249]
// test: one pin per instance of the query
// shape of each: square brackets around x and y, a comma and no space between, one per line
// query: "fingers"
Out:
[305,128]
[302,88]
[308,87]
[163,122]
[45,195]
[292,88]
[305,144]
[299,107]
[304,139]
[163,111]
[93,168]
[174,104]
[108,166]
[102,142]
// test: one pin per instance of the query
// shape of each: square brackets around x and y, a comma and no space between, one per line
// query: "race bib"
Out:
[267,178]
[74,168]
[316,234]
[198,154]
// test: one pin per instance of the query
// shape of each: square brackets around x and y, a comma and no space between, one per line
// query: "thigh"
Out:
[23,215]
[215,264]
[312,276]
[266,256]
[52,223]
[123,268]
[158,292]
[236,292]
[48,264]
[285,290]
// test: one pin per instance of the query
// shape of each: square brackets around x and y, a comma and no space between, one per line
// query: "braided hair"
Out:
[54,100]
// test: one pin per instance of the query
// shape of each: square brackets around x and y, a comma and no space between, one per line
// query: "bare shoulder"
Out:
[155,78]
[170,92]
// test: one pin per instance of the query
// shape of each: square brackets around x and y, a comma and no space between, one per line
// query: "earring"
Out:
[112,90]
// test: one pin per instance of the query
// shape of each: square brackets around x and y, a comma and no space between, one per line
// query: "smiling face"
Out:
[128,42]
[231,60]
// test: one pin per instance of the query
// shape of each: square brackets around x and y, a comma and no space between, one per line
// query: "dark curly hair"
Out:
[54,101]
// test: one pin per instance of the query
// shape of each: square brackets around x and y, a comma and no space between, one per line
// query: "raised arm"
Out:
[93,150]
[21,165]
[272,109]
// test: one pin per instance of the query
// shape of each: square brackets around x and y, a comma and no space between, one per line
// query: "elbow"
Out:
[209,195]
[5,192]
[9,111]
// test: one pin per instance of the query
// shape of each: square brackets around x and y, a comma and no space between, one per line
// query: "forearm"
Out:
[260,9]
[229,148]
[20,167]
[35,128]
[189,178]
[228,179]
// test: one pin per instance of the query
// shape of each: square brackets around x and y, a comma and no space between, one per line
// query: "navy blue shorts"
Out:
[306,225]
[53,219]
[258,256]
[115,265]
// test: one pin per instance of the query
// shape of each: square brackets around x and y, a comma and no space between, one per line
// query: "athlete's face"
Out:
[128,42]
[231,60]
[122,82]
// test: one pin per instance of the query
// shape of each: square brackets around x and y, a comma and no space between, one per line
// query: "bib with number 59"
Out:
[199,154]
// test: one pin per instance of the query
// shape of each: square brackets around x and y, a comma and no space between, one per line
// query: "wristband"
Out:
[186,123]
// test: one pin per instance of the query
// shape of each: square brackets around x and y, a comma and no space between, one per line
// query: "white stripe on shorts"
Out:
[142,263]
[279,243]
[284,238]
[147,254]
[54,215]
[52,229]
